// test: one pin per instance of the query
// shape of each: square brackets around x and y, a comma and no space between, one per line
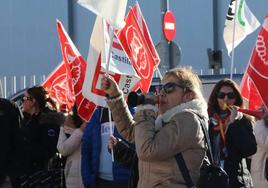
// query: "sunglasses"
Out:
[230,95]
[170,87]
[25,98]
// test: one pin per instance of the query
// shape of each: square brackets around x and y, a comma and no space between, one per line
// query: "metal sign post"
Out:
[168,51]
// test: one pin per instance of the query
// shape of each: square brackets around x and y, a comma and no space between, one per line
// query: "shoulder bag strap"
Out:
[181,162]
[184,170]
[205,131]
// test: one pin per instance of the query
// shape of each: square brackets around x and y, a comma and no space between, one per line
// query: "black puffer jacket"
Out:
[125,154]
[42,135]
[35,143]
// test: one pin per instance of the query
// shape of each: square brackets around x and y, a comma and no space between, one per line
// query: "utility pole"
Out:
[215,54]
[70,18]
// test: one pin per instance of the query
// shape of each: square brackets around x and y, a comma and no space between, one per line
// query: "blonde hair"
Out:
[188,79]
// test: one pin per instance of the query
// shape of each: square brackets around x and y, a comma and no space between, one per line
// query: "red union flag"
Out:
[250,94]
[145,31]
[75,67]
[58,88]
[138,51]
[258,65]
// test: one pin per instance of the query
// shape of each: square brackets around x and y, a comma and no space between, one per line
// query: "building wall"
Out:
[29,42]
[28,38]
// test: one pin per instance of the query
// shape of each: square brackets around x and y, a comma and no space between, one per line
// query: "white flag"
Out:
[246,23]
[120,67]
[113,11]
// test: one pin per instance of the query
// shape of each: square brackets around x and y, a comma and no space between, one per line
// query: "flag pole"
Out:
[159,73]
[111,36]
[232,58]
[111,131]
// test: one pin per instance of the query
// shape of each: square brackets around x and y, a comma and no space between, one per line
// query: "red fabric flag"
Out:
[145,31]
[250,94]
[75,71]
[258,66]
[119,67]
[56,85]
[138,50]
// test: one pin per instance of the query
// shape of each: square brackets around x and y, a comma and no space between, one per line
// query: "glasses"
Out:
[230,95]
[25,98]
[170,87]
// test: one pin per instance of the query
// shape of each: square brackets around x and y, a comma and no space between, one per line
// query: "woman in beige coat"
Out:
[69,145]
[161,133]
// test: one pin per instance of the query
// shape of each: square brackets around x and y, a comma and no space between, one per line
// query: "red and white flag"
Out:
[145,31]
[250,94]
[120,66]
[257,69]
[57,86]
[138,50]
[75,67]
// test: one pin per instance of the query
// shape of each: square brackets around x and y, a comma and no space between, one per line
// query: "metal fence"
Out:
[9,85]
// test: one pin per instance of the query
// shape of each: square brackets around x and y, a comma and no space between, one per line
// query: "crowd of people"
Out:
[43,148]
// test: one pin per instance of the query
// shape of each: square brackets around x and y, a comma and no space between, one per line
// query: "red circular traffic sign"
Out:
[169,25]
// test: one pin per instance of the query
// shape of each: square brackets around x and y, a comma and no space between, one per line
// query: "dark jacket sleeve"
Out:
[90,150]
[5,144]
[242,137]
[50,130]
[124,153]
[44,130]
[9,121]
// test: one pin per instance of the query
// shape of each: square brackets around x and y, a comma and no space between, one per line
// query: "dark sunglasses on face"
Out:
[230,95]
[170,87]
[25,98]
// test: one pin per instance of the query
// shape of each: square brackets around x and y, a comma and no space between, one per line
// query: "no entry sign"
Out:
[169,26]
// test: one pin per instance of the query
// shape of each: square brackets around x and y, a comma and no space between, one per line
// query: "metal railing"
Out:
[9,85]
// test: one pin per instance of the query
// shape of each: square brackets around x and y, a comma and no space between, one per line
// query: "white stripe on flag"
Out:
[169,26]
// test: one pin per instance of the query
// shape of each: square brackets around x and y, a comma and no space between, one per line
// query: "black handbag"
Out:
[43,179]
[211,175]
[52,177]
